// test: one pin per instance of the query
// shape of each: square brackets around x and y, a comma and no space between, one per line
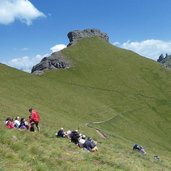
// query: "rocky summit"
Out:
[76,35]
[56,60]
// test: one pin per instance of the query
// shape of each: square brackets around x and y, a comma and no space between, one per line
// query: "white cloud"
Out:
[25,63]
[149,48]
[57,47]
[23,10]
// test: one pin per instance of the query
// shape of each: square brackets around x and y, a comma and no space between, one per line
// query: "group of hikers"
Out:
[31,124]
[82,141]
[77,138]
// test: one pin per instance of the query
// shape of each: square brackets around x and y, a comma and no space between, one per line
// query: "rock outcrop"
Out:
[76,35]
[165,60]
[57,60]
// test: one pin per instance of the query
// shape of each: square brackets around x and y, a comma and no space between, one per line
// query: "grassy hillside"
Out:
[125,96]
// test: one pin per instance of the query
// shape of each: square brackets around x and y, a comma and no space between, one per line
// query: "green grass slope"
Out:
[125,96]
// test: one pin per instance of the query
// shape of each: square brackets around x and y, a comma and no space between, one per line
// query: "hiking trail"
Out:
[100,132]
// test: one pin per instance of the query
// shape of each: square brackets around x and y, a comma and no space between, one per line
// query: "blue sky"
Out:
[30,29]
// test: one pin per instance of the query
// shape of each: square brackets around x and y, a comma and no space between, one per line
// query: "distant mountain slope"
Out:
[166,61]
[123,95]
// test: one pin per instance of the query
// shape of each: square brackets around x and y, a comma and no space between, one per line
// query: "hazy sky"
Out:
[31,29]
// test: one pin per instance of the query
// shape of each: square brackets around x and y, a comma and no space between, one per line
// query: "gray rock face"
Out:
[76,35]
[165,60]
[55,61]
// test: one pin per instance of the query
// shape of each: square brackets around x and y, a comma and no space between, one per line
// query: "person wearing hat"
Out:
[61,133]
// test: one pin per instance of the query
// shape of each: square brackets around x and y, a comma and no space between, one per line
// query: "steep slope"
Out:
[125,96]
[135,88]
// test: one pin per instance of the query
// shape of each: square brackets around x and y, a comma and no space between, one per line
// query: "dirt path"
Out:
[99,132]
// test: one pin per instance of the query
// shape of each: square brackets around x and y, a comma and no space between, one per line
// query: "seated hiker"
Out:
[136,147]
[27,124]
[139,148]
[90,145]
[68,134]
[17,122]
[74,136]
[6,120]
[81,141]
[23,124]
[61,133]
[9,123]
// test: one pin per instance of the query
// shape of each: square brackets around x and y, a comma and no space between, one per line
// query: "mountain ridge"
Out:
[57,60]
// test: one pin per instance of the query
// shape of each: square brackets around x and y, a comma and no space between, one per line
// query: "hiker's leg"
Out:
[37,126]
[32,127]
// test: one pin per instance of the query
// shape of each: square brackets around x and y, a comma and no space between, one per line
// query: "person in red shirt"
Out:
[34,119]
[10,124]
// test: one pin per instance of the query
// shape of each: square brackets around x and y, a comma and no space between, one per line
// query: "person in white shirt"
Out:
[81,141]
[17,122]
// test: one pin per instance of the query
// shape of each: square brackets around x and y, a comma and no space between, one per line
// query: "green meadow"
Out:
[125,96]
